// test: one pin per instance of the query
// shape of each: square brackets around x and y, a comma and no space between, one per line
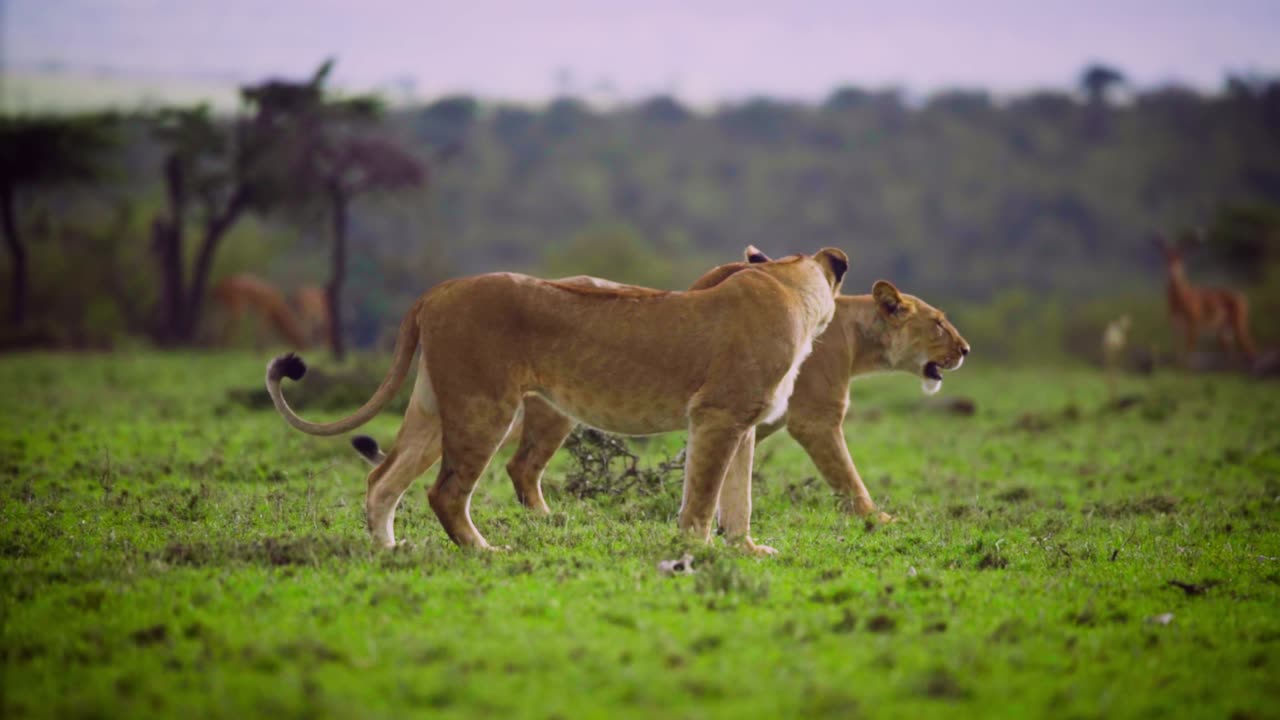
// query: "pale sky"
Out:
[703,52]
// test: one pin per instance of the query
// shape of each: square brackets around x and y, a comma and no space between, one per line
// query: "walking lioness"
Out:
[716,361]
[886,331]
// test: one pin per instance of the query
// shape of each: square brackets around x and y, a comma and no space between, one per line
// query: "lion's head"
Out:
[919,339]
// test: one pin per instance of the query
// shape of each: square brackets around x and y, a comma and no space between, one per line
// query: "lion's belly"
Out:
[631,414]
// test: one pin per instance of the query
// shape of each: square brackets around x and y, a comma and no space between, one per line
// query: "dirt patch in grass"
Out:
[1009,631]
[273,551]
[1014,495]
[1149,505]
[309,650]
[941,684]
[1195,589]
[726,578]
[847,623]
[1038,422]
[993,561]
[834,597]
[881,624]
[148,636]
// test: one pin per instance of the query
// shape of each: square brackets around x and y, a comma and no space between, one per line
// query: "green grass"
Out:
[166,553]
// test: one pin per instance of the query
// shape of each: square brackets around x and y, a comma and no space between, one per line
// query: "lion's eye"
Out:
[937,325]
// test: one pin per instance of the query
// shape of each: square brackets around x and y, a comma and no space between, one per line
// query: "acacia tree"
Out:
[358,166]
[43,151]
[1097,80]
[328,148]
[257,162]
[199,166]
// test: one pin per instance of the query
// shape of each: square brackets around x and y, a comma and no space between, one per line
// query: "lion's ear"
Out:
[835,262]
[753,255]
[889,301]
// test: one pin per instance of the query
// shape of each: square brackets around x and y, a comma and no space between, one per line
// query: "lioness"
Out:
[716,361]
[883,331]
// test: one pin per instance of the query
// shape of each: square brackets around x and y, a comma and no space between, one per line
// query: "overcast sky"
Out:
[702,51]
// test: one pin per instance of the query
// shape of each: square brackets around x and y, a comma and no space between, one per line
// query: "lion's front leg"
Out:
[735,498]
[824,442]
[714,437]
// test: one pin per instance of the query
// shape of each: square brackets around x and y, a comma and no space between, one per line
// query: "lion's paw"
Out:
[751,547]
[869,512]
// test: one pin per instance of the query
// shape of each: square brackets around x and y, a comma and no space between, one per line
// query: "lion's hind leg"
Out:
[416,449]
[472,433]
[542,433]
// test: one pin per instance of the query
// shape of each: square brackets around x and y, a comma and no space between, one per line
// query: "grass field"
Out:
[166,553]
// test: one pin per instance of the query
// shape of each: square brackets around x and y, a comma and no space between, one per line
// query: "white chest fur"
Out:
[778,406]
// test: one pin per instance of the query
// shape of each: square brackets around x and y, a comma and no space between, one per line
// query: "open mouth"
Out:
[932,381]
[932,371]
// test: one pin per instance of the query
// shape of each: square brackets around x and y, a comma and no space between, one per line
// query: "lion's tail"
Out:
[368,449]
[292,367]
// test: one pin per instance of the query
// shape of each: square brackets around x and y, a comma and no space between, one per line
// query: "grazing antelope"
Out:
[243,293]
[1194,310]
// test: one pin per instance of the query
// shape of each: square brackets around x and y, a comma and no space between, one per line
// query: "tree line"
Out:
[1000,203]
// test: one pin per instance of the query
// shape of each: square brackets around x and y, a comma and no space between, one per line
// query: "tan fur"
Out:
[862,339]
[627,360]
[243,293]
[313,313]
[1194,310]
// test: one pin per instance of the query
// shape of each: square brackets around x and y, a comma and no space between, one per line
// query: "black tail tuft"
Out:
[288,365]
[366,446]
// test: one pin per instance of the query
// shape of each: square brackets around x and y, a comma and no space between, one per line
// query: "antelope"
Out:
[244,294]
[313,313]
[1114,339]
[1194,309]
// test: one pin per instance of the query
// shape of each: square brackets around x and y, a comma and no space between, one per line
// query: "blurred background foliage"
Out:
[1027,218]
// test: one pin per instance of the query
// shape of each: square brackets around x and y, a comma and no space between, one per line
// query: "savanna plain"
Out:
[167,551]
